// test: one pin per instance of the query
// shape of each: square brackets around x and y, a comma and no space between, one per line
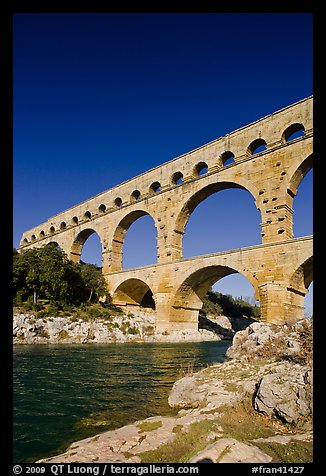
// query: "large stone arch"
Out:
[297,288]
[302,277]
[79,241]
[133,292]
[120,234]
[297,174]
[197,198]
[188,299]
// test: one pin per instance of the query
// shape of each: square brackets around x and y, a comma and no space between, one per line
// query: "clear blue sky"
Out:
[100,98]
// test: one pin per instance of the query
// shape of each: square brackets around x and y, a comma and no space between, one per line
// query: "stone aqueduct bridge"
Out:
[262,158]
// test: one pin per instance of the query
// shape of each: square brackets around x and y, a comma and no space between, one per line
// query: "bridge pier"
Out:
[271,298]
[294,303]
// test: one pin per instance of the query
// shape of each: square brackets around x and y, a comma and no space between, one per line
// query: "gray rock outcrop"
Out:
[285,393]
[283,342]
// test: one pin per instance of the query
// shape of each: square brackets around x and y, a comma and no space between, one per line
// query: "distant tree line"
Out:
[46,274]
[219,304]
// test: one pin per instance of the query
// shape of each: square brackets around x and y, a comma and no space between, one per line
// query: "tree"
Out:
[53,283]
[26,273]
[46,272]
[93,280]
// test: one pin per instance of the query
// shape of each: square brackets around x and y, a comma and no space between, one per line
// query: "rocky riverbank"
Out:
[130,327]
[255,407]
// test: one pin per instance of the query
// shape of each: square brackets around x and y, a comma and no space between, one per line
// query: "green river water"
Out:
[64,393]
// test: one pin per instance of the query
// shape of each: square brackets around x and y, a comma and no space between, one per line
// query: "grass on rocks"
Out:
[293,452]
[185,445]
[243,423]
[149,425]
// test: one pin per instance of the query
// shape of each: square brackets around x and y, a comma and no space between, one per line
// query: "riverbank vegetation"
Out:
[218,304]
[45,279]
[46,282]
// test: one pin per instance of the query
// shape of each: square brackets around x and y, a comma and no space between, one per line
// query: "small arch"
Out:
[54,244]
[134,292]
[25,240]
[33,237]
[63,225]
[135,196]
[155,187]
[293,132]
[200,169]
[227,158]
[87,215]
[256,146]
[75,220]
[102,208]
[52,230]
[177,178]
[42,234]
[118,202]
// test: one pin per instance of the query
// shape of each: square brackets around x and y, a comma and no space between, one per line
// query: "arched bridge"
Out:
[268,158]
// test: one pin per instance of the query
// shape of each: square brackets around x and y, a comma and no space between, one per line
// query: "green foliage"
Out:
[185,444]
[222,304]
[45,275]
[292,452]
[242,422]
[149,425]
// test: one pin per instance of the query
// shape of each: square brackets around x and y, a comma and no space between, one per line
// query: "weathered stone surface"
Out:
[280,268]
[285,393]
[289,341]
[229,450]
[202,390]
[285,439]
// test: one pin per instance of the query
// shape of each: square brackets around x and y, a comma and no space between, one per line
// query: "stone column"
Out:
[74,256]
[162,305]
[276,215]
[272,297]
[294,304]
[169,239]
[114,256]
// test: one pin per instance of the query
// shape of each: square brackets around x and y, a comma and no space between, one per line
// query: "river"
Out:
[64,393]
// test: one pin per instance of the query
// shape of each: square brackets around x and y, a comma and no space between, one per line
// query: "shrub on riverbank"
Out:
[86,312]
[219,304]
[46,274]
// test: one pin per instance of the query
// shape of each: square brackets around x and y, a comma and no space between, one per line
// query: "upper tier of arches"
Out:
[142,191]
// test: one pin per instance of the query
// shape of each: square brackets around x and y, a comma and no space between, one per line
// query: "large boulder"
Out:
[285,393]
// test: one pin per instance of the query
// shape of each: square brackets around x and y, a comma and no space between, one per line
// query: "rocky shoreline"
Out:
[131,327]
[254,407]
